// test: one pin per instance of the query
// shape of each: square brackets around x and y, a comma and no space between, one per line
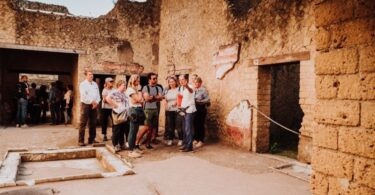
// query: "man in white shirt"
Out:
[187,103]
[90,98]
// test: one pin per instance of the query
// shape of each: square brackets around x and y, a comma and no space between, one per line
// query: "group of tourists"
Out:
[33,103]
[135,112]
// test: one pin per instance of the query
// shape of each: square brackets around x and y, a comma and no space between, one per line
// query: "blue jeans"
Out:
[188,130]
[21,111]
[134,127]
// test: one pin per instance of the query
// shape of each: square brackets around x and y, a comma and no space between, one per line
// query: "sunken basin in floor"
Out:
[33,167]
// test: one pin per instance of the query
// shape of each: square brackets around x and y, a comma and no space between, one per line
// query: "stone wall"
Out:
[192,32]
[99,39]
[343,157]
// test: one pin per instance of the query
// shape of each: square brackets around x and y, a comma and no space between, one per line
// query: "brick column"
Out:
[343,157]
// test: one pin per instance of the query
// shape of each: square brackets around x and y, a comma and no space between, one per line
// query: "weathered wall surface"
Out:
[133,24]
[344,142]
[191,32]
[7,23]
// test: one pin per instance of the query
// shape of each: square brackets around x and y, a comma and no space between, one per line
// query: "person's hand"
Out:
[94,105]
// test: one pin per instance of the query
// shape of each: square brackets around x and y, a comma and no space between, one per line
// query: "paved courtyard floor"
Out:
[214,169]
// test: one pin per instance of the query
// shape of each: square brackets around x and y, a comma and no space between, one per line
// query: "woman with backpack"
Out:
[120,105]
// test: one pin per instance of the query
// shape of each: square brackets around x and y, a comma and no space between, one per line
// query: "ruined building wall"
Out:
[190,33]
[100,39]
[343,157]
[7,23]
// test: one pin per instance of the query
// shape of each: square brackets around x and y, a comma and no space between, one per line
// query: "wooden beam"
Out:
[285,58]
[37,48]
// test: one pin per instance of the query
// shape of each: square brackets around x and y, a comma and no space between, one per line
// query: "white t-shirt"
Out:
[106,92]
[171,98]
[130,91]
[188,100]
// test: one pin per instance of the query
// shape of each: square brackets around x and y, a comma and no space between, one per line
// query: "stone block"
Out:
[360,189]
[332,163]
[338,112]
[364,171]
[364,8]
[357,141]
[304,149]
[342,61]
[319,183]
[349,87]
[326,87]
[338,186]
[367,59]
[368,86]
[368,115]
[351,33]
[333,11]
[325,136]
[322,38]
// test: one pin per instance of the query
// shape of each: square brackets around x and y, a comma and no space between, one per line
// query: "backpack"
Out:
[20,90]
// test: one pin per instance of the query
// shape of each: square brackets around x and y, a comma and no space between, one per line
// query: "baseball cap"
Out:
[108,79]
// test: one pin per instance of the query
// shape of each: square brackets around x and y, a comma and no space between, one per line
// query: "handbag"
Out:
[119,118]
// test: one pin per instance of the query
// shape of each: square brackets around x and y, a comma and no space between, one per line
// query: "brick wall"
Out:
[343,142]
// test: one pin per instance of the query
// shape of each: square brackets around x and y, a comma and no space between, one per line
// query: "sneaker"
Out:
[117,148]
[134,154]
[81,144]
[24,126]
[123,147]
[138,147]
[195,142]
[169,142]
[179,143]
[105,138]
[187,150]
[18,125]
[149,147]
[199,144]
[127,144]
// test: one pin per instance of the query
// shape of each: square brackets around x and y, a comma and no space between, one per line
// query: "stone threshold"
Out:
[108,160]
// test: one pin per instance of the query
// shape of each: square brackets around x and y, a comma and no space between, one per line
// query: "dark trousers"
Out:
[134,127]
[118,133]
[199,121]
[55,112]
[173,122]
[106,113]
[87,115]
[188,130]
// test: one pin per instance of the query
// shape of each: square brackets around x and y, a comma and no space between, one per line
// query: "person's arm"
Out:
[111,102]
[137,98]
[146,95]
[97,99]
[189,89]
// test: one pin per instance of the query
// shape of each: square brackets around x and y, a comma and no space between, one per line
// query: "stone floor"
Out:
[214,169]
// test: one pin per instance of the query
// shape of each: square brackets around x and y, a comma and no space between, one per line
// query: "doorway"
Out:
[282,83]
[36,64]
[285,108]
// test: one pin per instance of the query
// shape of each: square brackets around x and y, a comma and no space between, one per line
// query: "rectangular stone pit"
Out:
[22,167]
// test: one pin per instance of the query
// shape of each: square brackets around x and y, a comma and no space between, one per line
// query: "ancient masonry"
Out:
[236,46]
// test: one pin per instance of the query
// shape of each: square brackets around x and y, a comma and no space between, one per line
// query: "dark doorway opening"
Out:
[285,108]
[15,62]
